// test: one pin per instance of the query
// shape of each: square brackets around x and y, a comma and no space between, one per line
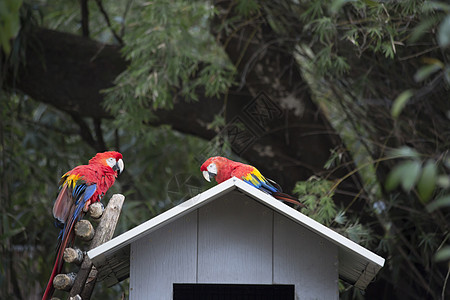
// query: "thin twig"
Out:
[445,283]
[418,54]
[124,16]
[108,22]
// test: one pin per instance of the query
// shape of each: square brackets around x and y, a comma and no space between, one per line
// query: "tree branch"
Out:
[84,17]
[108,22]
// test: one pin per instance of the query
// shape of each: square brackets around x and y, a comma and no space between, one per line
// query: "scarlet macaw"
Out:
[79,188]
[222,169]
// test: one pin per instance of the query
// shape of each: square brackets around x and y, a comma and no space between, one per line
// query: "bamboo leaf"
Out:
[406,174]
[404,151]
[443,254]
[427,181]
[444,33]
[441,202]
[400,103]
[336,5]
[411,175]
[425,72]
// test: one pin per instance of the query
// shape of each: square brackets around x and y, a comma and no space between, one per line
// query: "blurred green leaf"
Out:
[444,33]
[436,5]
[424,26]
[371,3]
[247,7]
[400,103]
[427,181]
[404,151]
[9,22]
[336,5]
[443,254]
[443,181]
[405,173]
[411,174]
[425,71]
[443,201]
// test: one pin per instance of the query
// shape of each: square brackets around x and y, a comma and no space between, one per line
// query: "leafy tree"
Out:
[352,92]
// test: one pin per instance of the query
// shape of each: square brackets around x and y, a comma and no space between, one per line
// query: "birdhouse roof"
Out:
[357,265]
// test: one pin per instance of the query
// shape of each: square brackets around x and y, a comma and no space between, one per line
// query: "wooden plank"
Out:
[235,241]
[163,257]
[305,259]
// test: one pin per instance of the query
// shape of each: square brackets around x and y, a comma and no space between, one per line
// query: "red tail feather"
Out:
[57,267]
[287,198]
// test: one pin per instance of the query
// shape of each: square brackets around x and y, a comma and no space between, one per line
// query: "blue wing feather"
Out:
[81,193]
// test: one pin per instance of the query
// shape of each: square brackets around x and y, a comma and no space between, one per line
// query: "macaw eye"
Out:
[111,161]
[212,168]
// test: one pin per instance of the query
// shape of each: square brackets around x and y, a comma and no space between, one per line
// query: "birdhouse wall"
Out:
[233,239]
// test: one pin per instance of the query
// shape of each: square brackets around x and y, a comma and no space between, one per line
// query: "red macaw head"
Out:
[216,167]
[110,159]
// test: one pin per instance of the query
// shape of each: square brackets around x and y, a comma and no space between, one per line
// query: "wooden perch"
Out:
[72,255]
[64,281]
[90,284]
[84,230]
[96,210]
[87,276]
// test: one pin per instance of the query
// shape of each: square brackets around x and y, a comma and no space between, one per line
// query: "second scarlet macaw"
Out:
[78,188]
[222,169]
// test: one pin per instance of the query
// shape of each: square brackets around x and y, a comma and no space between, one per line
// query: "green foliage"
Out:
[441,202]
[400,102]
[413,173]
[37,146]
[406,174]
[172,55]
[427,70]
[443,254]
[247,7]
[9,23]
[30,167]
[427,181]
[317,196]
[444,32]
[66,16]
[405,187]
[378,27]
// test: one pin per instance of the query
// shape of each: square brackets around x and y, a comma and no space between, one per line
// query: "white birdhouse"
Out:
[233,240]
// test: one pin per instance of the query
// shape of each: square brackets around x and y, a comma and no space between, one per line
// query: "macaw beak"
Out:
[208,175]
[119,166]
